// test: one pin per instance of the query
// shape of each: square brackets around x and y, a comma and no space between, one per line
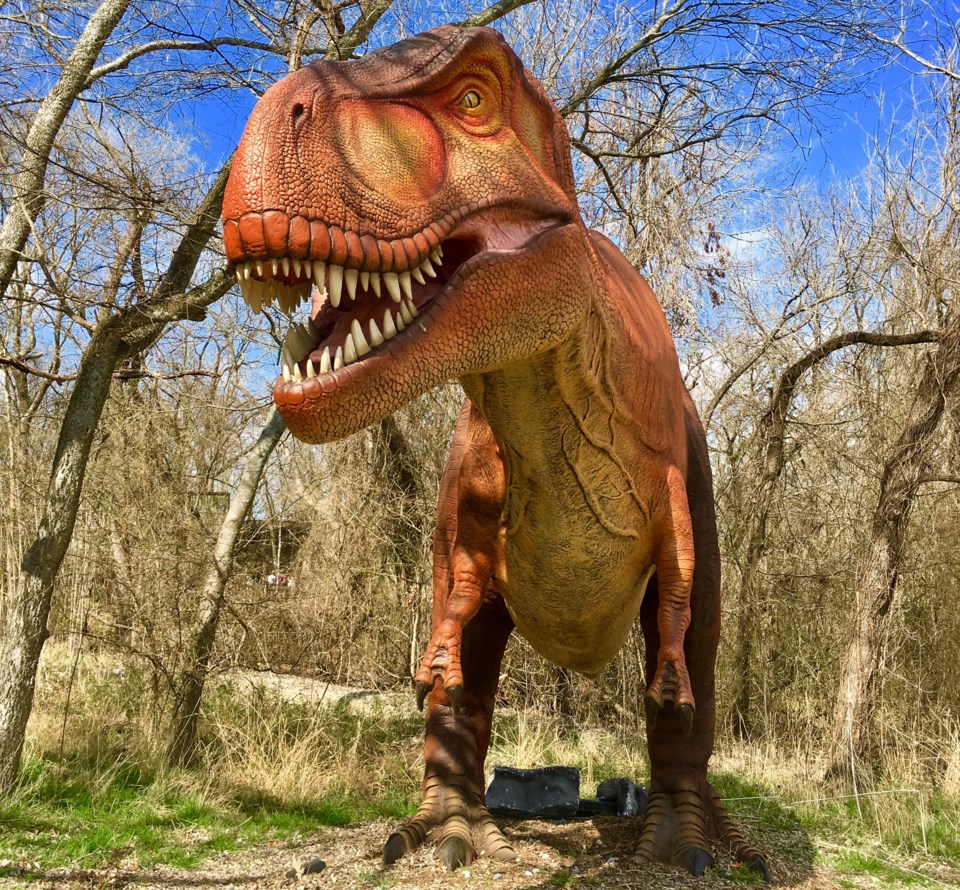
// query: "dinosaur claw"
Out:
[395,848]
[686,716]
[422,690]
[652,709]
[696,861]
[760,865]
[453,693]
[453,853]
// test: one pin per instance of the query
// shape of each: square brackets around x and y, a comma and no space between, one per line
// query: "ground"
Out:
[581,854]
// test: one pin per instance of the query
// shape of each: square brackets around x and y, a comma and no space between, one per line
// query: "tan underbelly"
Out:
[576,613]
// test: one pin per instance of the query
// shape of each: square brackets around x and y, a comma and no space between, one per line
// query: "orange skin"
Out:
[577,494]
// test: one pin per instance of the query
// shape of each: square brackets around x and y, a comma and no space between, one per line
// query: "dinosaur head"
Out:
[413,199]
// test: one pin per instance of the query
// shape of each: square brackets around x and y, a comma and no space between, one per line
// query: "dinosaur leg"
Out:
[471,626]
[455,751]
[683,811]
[674,578]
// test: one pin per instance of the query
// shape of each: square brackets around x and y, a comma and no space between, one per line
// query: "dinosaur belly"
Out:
[575,602]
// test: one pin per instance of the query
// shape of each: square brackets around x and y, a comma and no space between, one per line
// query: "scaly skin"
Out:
[426,190]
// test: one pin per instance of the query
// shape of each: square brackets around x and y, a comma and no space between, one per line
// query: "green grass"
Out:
[88,815]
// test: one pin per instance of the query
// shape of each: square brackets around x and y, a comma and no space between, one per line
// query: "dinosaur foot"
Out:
[671,685]
[678,825]
[465,827]
[441,662]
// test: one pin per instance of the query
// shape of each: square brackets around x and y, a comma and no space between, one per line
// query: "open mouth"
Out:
[353,312]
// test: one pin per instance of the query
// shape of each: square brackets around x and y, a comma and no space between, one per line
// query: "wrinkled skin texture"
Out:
[577,494]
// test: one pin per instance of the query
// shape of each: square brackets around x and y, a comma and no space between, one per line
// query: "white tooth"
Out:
[427,267]
[318,270]
[401,324]
[375,281]
[325,361]
[247,270]
[245,290]
[287,376]
[376,338]
[406,284]
[307,269]
[365,280]
[291,343]
[310,371]
[256,295]
[259,267]
[338,359]
[359,340]
[335,284]
[285,265]
[405,313]
[418,276]
[440,249]
[392,281]
[435,255]
[389,328]
[349,350]
[297,376]
[274,266]
[350,276]
[412,309]
[239,273]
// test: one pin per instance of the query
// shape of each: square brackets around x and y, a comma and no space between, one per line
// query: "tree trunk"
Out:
[118,336]
[183,745]
[853,750]
[773,429]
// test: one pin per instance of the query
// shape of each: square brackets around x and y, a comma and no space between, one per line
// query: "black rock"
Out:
[630,800]
[547,792]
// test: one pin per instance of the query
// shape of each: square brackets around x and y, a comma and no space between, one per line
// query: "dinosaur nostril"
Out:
[299,109]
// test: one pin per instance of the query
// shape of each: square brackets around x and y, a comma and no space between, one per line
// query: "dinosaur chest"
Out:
[574,566]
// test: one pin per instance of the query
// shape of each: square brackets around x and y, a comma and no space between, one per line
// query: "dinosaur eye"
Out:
[470,99]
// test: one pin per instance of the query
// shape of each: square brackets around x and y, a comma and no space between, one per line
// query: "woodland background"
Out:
[148,493]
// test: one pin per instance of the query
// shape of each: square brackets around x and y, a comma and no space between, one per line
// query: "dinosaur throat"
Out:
[359,311]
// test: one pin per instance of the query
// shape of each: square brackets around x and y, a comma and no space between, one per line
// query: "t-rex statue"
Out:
[424,196]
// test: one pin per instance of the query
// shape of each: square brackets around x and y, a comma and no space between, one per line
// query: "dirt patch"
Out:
[582,854]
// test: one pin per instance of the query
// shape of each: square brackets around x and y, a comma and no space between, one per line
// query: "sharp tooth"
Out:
[313,330]
[349,350]
[440,249]
[392,281]
[303,338]
[297,376]
[245,290]
[274,266]
[406,284]
[435,255]
[318,270]
[291,344]
[350,276]
[427,267]
[338,359]
[307,268]
[418,276]
[310,371]
[247,270]
[335,284]
[375,281]
[305,291]
[287,376]
[401,324]
[412,309]
[365,280]
[256,295]
[376,338]
[405,313]
[389,328]
[239,273]
[284,264]
[325,361]
[259,267]
[359,340]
